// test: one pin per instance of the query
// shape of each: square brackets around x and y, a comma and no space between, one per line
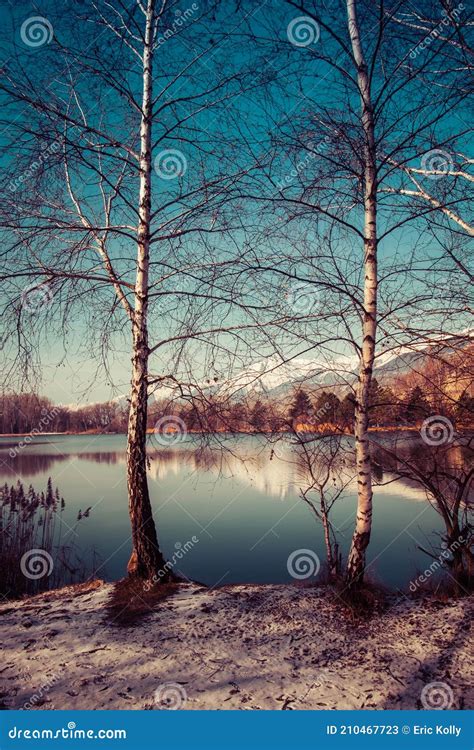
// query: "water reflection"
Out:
[227,498]
[278,469]
[27,463]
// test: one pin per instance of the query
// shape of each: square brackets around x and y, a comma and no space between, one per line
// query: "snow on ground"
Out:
[238,647]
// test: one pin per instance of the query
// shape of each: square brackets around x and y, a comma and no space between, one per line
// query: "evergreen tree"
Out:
[347,410]
[417,407]
[301,407]
[383,408]
[328,408]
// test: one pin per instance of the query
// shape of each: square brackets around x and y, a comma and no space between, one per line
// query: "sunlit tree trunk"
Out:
[361,537]
[146,558]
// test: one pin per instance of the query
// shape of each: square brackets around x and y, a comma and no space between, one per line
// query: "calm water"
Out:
[242,503]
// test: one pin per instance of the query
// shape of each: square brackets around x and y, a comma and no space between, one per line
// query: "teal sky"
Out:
[273,107]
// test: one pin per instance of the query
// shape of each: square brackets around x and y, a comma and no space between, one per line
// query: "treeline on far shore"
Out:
[28,412]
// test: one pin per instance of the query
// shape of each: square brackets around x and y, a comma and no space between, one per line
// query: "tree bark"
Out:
[146,558]
[361,537]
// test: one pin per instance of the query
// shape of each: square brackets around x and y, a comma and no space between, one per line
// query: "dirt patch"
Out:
[130,601]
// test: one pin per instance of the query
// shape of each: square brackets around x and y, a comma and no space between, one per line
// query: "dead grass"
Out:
[77,589]
[363,602]
[130,601]
[444,589]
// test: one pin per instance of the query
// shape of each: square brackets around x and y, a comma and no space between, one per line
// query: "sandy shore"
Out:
[239,647]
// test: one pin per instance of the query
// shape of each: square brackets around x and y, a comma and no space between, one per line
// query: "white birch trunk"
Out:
[146,558]
[361,537]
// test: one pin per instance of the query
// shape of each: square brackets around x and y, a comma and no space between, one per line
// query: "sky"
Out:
[265,92]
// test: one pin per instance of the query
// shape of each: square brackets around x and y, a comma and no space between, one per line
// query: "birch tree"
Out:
[373,111]
[291,209]
[361,538]
[117,179]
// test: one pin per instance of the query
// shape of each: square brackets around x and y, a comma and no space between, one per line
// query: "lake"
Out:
[239,498]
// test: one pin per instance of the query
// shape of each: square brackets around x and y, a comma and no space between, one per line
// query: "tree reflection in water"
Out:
[319,469]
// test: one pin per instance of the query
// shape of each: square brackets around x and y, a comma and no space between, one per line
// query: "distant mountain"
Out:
[271,378]
[403,359]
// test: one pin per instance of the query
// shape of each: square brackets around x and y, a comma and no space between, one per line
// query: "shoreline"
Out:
[407,428]
[240,647]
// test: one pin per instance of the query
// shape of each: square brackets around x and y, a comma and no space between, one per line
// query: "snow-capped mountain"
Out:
[274,378]
[271,375]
